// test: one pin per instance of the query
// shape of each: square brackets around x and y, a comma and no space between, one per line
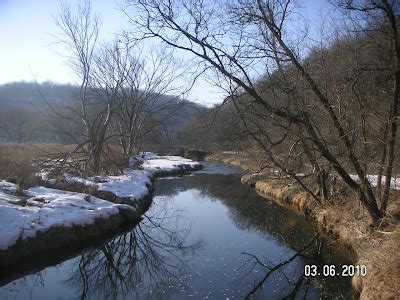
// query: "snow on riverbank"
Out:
[39,209]
[8,186]
[133,184]
[171,164]
[46,208]
[373,179]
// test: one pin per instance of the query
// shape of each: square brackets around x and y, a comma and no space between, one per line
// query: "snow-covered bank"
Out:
[43,208]
[128,187]
[27,216]
[135,184]
[373,179]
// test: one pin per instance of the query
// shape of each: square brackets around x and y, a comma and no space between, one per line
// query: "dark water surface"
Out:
[206,236]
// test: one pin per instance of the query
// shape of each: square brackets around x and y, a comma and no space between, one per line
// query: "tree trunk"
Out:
[394,111]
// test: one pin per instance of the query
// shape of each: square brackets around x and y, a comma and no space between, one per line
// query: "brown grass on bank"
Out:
[17,161]
[377,248]
[250,162]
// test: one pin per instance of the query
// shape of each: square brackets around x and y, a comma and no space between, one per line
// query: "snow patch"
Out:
[79,180]
[373,179]
[47,208]
[133,184]
[8,187]
[167,163]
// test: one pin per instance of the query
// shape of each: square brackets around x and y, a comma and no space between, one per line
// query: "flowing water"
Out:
[206,236]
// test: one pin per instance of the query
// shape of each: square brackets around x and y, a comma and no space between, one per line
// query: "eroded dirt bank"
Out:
[346,221]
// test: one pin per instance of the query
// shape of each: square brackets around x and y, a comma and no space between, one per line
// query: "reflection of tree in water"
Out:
[295,284]
[247,210]
[153,259]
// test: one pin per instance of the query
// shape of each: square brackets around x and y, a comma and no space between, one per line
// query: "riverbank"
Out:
[375,248]
[68,211]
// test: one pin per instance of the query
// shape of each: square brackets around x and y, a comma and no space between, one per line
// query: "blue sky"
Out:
[28,48]
[28,52]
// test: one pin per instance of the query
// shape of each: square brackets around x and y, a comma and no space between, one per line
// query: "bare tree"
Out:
[372,11]
[152,252]
[146,107]
[121,93]
[79,35]
[247,40]
[16,125]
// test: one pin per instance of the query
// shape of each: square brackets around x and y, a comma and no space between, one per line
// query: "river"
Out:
[205,236]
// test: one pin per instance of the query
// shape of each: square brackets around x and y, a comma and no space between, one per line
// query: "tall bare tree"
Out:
[121,93]
[146,107]
[79,35]
[247,40]
[374,11]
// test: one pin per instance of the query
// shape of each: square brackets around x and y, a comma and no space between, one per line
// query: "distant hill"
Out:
[21,102]
[28,93]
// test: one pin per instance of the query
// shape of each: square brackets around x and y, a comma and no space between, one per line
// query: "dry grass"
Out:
[375,248]
[250,162]
[17,161]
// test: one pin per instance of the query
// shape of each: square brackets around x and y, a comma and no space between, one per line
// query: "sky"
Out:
[28,50]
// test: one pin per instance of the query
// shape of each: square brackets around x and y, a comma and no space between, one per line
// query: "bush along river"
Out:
[205,236]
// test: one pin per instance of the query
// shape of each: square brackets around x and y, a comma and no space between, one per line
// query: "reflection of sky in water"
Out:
[47,284]
[216,268]
[227,219]
[217,168]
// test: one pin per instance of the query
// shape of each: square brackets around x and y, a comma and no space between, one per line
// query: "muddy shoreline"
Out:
[375,249]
